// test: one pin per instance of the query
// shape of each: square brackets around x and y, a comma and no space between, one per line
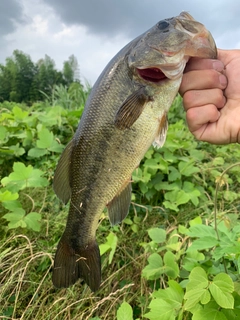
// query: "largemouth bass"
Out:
[125,113]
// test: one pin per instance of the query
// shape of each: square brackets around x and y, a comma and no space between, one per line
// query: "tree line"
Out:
[22,80]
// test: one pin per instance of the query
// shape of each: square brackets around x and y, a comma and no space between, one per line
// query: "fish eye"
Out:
[162,25]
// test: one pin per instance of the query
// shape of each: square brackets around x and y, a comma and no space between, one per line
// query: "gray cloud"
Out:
[10,11]
[94,30]
[107,17]
[110,17]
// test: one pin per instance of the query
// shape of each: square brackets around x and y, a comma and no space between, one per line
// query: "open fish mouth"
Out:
[167,71]
[152,74]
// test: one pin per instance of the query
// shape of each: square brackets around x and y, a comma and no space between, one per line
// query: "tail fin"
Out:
[71,264]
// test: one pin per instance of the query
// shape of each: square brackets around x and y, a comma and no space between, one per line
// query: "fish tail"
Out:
[71,264]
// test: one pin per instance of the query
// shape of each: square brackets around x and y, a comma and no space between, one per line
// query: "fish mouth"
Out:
[152,74]
[157,74]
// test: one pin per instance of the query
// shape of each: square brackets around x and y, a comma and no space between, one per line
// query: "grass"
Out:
[27,291]
[26,257]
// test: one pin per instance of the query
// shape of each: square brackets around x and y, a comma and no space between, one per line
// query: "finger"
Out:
[198,98]
[202,79]
[203,64]
[199,117]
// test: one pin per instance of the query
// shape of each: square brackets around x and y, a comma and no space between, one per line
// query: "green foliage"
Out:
[29,135]
[203,288]
[125,312]
[169,259]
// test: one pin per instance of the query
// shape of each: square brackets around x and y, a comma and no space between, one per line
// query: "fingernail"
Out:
[222,80]
[218,65]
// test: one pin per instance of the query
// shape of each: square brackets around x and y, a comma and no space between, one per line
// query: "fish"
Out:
[125,113]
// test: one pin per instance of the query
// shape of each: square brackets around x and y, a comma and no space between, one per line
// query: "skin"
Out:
[211,97]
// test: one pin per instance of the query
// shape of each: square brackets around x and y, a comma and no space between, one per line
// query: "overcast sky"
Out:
[95,30]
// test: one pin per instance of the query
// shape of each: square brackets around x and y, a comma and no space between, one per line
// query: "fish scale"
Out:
[124,114]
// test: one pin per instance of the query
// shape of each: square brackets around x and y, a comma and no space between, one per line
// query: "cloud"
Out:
[45,33]
[10,12]
[133,17]
[95,30]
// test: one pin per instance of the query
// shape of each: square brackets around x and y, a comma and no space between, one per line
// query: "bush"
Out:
[176,255]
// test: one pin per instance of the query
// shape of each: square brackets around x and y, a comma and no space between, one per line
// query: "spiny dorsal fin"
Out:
[61,181]
[118,207]
[131,109]
[162,132]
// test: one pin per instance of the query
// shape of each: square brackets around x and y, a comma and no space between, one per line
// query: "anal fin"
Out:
[118,207]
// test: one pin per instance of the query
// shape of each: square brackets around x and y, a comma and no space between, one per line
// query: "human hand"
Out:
[211,97]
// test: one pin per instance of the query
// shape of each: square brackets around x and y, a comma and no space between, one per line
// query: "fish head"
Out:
[163,51]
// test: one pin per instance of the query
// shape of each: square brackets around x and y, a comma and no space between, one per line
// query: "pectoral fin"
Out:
[162,132]
[61,181]
[118,207]
[131,109]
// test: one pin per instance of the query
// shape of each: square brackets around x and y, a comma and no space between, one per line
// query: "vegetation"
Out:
[21,80]
[176,255]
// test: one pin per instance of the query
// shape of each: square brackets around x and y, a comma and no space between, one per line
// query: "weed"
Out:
[176,255]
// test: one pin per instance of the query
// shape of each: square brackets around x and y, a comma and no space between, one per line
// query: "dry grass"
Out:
[26,290]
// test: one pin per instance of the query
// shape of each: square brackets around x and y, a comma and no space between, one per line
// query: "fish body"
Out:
[125,113]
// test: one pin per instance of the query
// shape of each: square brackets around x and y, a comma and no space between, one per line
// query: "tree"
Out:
[71,70]
[21,80]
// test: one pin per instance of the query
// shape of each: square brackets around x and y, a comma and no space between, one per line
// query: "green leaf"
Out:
[174,174]
[8,196]
[110,244]
[194,194]
[154,268]
[172,269]
[187,168]
[56,147]
[19,114]
[160,309]
[37,152]
[45,139]
[24,177]
[18,151]
[172,295]
[218,161]
[12,205]
[178,197]
[193,296]
[16,219]
[203,243]
[171,206]
[232,314]
[205,298]
[195,221]
[32,220]
[196,287]
[3,133]
[157,235]
[201,230]
[221,288]
[125,312]
[208,314]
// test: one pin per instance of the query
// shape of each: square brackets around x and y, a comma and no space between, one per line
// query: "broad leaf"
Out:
[125,312]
